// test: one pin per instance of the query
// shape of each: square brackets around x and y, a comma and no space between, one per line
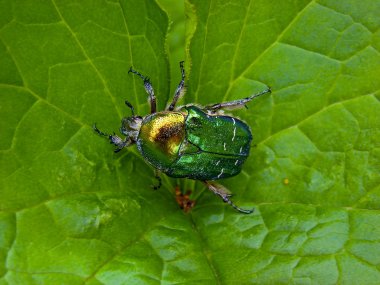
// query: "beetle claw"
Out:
[244,211]
[228,201]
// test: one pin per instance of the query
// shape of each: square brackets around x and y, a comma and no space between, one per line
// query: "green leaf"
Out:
[175,38]
[315,170]
[73,212]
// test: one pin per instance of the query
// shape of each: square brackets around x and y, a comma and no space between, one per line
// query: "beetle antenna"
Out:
[129,105]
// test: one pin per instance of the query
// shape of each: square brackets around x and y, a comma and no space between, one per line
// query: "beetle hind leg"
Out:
[236,103]
[223,193]
[114,139]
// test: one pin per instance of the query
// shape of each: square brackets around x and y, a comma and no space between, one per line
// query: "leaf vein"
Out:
[100,75]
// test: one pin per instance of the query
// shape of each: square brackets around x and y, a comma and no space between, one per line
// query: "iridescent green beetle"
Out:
[190,141]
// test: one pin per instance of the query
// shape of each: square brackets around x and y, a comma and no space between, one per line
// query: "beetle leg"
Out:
[158,178]
[180,89]
[114,139]
[236,103]
[129,105]
[148,88]
[223,193]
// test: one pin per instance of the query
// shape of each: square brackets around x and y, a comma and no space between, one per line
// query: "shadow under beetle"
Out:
[190,141]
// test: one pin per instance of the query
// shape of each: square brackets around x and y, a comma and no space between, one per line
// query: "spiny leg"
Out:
[114,139]
[223,193]
[129,105]
[180,89]
[148,88]
[159,180]
[235,103]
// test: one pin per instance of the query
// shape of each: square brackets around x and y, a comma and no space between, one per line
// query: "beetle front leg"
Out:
[180,89]
[223,193]
[114,139]
[148,88]
[236,103]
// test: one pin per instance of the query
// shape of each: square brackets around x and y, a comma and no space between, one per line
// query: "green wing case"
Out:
[215,146]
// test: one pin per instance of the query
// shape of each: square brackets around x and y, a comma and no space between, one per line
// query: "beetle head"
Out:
[130,127]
